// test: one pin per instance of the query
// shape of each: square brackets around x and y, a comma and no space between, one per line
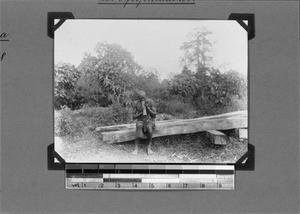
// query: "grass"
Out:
[81,144]
[188,148]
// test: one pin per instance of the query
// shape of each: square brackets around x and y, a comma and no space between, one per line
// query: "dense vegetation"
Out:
[100,90]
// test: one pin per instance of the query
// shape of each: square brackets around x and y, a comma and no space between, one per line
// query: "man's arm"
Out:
[151,110]
[135,114]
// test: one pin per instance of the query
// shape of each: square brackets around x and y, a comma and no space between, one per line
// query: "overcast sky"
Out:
[153,43]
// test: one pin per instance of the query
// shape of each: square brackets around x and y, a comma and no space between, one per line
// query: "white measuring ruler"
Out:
[199,177]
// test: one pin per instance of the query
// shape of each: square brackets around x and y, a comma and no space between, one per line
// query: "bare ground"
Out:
[189,148]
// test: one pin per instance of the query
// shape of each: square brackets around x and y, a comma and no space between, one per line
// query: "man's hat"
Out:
[141,94]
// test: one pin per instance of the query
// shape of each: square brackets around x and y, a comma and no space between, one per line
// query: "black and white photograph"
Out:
[150,91]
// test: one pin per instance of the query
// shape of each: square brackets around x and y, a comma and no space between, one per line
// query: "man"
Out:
[144,112]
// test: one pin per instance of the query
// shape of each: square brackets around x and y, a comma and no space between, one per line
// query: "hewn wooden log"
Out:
[243,133]
[126,132]
[216,137]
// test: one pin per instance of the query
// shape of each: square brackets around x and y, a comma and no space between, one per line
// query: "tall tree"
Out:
[197,49]
[108,76]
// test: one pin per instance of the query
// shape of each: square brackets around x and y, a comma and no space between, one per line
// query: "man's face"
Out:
[142,98]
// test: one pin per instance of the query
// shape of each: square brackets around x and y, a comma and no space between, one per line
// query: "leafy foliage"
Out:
[66,92]
[78,122]
[209,93]
[185,84]
[100,90]
[67,125]
[108,77]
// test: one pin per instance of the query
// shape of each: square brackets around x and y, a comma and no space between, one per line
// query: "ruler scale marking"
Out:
[157,177]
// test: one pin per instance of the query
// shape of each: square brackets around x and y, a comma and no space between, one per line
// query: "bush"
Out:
[96,116]
[237,104]
[79,122]
[68,125]
[208,107]
[66,90]
[120,114]
[177,108]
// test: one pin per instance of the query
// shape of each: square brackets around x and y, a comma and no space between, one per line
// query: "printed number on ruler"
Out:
[75,185]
